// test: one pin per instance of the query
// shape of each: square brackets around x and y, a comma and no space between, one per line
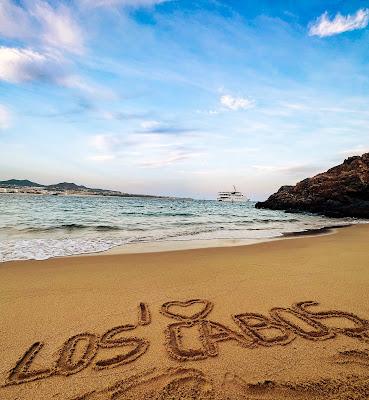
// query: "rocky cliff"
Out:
[342,191]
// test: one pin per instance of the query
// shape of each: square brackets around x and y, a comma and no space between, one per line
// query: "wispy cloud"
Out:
[21,65]
[4,117]
[151,124]
[14,21]
[122,3]
[58,27]
[171,158]
[39,22]
[236,103]
[156,127]
[105,143]
[296,170]
[51,39]
[144,150]
[122,115]
[324,26]
[91,89]
[105,147]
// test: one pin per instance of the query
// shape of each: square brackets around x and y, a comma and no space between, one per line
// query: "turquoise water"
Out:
[40,227]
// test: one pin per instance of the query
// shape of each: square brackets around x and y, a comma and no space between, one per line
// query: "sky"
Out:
[182,97]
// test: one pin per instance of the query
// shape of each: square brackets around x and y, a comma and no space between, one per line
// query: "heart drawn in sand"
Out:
[189,310]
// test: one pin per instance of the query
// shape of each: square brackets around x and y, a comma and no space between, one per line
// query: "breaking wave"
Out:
[40,227]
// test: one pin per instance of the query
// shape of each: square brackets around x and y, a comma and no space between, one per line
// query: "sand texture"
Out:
[285,319]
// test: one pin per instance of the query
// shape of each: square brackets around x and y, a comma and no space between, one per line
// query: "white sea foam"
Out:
[42,249]
[41,227]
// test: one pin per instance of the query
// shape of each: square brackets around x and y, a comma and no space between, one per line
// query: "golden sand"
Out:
[280,320]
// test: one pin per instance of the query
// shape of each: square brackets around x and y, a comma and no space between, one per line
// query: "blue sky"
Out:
[182,97]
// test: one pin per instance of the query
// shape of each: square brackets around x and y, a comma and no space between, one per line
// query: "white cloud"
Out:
[144,150]
[301,170]
[104,142]
[123,3]
[164,128]
[91,89]
[4,117]
[14,21]
[59,29]
[25,65]
[21,65]
[323,26]
[150,124]
[172,158]
[236,103]
[39,22]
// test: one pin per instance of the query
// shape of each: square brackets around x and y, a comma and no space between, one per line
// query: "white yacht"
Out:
[232,197]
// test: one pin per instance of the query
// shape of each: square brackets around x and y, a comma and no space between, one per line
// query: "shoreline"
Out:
[180,245]
[127,196]
[194,244]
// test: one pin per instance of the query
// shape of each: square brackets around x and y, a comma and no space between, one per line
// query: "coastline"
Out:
[193,244]
[70,229]
[180,245]
[62,300]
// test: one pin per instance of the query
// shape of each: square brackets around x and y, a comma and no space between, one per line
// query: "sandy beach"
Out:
[285,319]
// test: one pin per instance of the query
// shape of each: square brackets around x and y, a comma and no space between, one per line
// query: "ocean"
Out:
[41,227]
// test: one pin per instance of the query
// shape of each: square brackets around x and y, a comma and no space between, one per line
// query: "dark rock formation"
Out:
[342,191]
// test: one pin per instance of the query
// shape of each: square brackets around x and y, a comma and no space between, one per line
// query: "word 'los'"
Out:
[87,345]
[281,327]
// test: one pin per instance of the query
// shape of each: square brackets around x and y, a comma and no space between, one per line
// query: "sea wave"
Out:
[159,214]
[52,226]
[42,249]
[64,227]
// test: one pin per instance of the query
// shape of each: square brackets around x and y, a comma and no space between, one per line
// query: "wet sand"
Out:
[217,323]
[175,245]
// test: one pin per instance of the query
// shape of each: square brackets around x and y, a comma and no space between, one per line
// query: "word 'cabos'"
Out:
[281,327]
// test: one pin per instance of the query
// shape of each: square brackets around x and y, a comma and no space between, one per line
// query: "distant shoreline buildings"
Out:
[16,186]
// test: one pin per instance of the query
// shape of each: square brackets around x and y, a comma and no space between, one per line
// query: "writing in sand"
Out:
[251,330]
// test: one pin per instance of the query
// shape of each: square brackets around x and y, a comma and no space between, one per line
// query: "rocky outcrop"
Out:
[342,191]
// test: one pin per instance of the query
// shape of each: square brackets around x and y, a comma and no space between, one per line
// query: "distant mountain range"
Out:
[69,186]
[19,183]
[56,186]
[27,186]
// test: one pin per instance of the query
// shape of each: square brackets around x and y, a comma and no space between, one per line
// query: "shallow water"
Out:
[40,227]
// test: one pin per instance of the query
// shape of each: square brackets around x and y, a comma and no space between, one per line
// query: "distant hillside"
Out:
[67,186]
[20,183]
[25,185]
